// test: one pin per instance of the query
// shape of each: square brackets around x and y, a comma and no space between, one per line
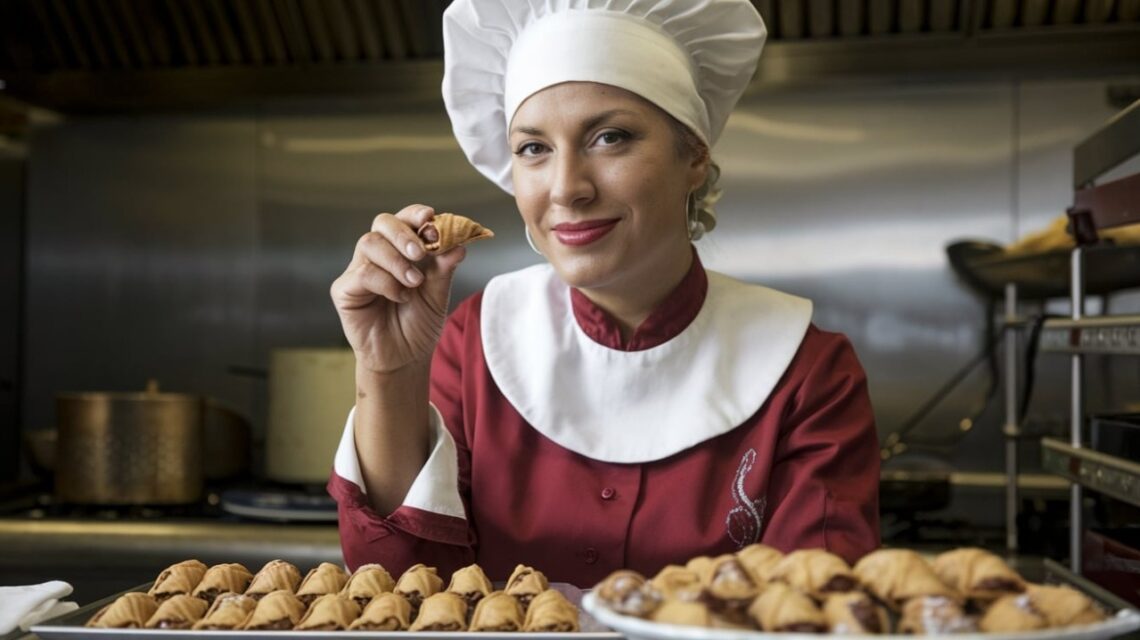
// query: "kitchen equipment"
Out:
[129,448]
[225,442]
[310,394]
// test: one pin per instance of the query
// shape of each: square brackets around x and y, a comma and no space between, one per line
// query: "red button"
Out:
[608,493]
[591,555]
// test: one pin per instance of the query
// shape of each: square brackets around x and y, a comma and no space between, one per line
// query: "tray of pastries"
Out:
[760,592]
[227,601]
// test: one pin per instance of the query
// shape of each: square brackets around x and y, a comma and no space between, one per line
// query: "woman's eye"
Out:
[612,137]
[530,149]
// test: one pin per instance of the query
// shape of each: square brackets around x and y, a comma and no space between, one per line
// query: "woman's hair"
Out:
[701,217]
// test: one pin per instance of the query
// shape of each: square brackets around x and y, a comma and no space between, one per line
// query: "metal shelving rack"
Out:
[1095,207]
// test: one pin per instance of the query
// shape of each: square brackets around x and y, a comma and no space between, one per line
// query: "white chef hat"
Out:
[691,58]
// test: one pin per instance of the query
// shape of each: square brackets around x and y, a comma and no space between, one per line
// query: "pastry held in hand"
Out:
[274,576]
[760,559]
[446,231]
[177,612]
[898,575]
[1064,606]
[783,609]
[326,578]
[229,611]
[675,582]
[854,613]
[1012,613]
[128,611]
[367,582]
[330,612]
[178,579]
[626,592]
[471,584]
[550,611]
[935,616]
[443,611]
[277,611]
[525,583]
[386,612]
[221,578]
[498,612]
[977,574]
[419,583]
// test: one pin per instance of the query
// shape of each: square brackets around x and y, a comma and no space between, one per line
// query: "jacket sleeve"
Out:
[824,486]
[431,525]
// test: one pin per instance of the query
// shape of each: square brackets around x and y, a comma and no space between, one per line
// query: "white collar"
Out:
[637,406]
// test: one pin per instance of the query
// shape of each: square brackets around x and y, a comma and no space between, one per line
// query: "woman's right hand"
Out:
[393,297]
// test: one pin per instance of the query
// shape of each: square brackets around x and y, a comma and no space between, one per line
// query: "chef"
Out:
[618,405]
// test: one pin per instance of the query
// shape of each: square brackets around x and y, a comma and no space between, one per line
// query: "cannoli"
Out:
[759,559]
[276,575]
[854,612]
[728,588]
[898,575]
[815,572]
[442,611]
[783,609]
[229,611]
[220,578]
[386,612]
[934,616]
[977,574]
[330,612]
[626,592]
[418,583]
[525,583]
[326,578]
[471,584]
[550,611]
[1012,613]
[675,582]
[497,611]
[177,612]
[683,612]
[367,582]
[1064,606]
[446,231]
[128,611]
[178,579]
[277,611]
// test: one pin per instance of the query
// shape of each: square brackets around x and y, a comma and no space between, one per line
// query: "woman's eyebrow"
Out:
[594,121]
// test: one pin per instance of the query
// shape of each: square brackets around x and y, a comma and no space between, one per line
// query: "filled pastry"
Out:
[728,588]
[442,611]
[386,612]
[683,612]
[497,611]
[815,572]
[446,231]
[277,611]
[326,578]
[759,559]
[330,612]
[178,579]
[675,582]
[898,575]
[550,611]
[220,578]
[1064,606]
[977,574]
[274,576]
[471,584]
[699,565]
[367,582]
[1012,613]
[856,613]
[525,583]
[177,612]
[229,611]
[418,583]
[783,609]
[934,615]
[626,592]
[128,611]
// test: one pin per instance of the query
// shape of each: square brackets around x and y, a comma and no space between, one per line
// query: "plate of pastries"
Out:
[760,592]
[227,599]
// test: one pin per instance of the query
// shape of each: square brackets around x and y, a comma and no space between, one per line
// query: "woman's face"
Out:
[602,184]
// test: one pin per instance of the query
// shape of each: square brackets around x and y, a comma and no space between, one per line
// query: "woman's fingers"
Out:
[362,283]
[400,229]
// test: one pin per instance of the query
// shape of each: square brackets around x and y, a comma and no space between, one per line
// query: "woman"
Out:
[619,406]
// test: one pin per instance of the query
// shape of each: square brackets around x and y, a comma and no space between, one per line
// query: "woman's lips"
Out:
[577,234]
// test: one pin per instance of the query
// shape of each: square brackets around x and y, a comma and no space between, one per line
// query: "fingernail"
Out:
[413,276]
[415,251]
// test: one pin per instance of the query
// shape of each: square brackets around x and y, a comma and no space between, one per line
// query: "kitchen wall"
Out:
[11,290]
[186,247]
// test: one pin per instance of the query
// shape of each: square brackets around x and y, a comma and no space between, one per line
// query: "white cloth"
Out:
[24,606]
[637,406]
[692,58]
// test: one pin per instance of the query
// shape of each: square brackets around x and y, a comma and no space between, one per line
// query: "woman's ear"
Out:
[699,167]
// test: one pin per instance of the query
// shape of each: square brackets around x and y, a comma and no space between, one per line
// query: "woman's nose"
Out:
[572,185]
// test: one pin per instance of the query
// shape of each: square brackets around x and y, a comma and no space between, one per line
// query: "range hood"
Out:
[98,55]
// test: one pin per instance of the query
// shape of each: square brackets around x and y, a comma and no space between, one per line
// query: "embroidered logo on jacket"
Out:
[745,520]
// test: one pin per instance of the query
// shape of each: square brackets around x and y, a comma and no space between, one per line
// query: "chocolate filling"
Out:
[387,625]
[308,598]
[429,233]
[839,584]
[283,624]
[803,627]
[328,626]
[362,601]
[865,614]
[443,626]
[998,584]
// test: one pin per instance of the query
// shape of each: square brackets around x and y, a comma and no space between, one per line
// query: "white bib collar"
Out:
[637,406]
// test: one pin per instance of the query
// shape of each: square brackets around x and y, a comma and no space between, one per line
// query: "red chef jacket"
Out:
[730,438]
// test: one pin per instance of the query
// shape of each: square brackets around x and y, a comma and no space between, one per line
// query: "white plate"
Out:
[1124,621]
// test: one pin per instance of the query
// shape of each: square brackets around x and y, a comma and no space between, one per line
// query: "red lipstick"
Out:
[577,234]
